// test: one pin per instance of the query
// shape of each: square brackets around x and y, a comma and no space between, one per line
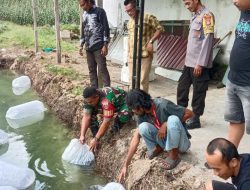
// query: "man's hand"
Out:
[104,51]
[80,51]
[122,175]
[162,131]
[150,48]
[93,145]
[82,139]
[197,70]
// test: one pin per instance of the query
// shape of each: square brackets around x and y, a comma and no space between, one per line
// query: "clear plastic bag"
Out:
[113,186]
[77,153]
[11,175]
[25,114]
[4,139]
[7,188]
[21,85]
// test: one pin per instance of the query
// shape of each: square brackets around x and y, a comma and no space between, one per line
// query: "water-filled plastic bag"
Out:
[7,188]
[77,153]
[3,137]
[25,114]
[21,85]
[17,177]
[113,186]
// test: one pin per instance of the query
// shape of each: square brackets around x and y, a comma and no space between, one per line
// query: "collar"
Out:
[195,14]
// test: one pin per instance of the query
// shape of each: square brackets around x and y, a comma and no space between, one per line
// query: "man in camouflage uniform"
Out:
[198,60]
[100,106]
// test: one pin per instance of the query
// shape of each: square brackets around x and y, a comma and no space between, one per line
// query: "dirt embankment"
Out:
[56,92]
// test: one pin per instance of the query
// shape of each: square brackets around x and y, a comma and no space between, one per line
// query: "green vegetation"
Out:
[77,90]
[67,72]
[23,36]
[20,11]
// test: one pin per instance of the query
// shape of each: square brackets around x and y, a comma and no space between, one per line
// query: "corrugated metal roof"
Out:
[171,51]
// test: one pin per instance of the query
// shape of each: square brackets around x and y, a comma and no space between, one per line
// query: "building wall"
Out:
[226,15]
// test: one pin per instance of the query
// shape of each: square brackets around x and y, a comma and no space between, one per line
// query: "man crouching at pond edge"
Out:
[160,125]
[99,108]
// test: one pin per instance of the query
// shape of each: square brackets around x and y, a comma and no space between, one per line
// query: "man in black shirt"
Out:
[237,108]
[222,156]
[95,36]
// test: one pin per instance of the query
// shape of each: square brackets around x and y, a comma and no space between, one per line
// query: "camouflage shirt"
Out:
[111,100]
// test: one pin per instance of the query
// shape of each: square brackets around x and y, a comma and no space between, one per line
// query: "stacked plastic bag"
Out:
[77,153]
[16,177]
[21,85]
[25,114]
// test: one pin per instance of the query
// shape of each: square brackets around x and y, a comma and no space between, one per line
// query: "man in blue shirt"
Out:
[222,156]
[95,36]
[237,108]
[160,124]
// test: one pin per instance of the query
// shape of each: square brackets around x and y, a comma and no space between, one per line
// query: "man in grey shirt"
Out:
[198,60]
[95,36]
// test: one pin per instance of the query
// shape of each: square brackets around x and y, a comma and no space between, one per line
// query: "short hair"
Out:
[227,149]
[90,1]
[137,98]
[126,2]
[89,92]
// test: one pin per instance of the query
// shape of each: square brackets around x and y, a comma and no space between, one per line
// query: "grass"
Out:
[77,90]
[23,37]
[67,72]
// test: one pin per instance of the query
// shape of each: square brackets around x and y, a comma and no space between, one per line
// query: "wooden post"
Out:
[57,28]
[35,24]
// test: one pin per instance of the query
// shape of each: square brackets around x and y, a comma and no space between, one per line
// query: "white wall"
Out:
[226,15]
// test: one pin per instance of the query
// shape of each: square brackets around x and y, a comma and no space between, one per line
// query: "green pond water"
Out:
[40,146]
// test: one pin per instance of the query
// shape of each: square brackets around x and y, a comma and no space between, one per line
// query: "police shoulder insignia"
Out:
[208,23]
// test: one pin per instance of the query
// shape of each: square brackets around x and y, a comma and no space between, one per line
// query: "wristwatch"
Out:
[151,41]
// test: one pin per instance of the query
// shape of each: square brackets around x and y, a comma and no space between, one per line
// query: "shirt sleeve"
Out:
[108,108]
[154,23]
[87,109]
[207,45]
[82,39]
[105,24]
[174,109]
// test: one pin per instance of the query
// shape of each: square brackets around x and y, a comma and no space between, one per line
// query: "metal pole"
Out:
[138,74]
[135,45]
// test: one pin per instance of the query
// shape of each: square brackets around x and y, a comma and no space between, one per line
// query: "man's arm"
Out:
[84,126]
[207,44]
[101,131]
[106,34]
[132,149]
[187,114]
[158,30]
[82,40]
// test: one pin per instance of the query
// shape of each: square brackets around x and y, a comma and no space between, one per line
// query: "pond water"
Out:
[40,146]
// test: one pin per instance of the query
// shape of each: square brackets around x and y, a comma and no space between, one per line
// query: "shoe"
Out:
[193,123]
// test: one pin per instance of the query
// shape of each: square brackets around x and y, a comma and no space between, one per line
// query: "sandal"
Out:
[170,164]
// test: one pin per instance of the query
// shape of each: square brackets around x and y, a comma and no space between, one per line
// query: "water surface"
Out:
[40,146]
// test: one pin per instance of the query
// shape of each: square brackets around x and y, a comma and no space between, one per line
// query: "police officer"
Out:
[198,60]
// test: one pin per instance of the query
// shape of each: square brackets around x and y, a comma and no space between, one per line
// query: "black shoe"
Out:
[193,123]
